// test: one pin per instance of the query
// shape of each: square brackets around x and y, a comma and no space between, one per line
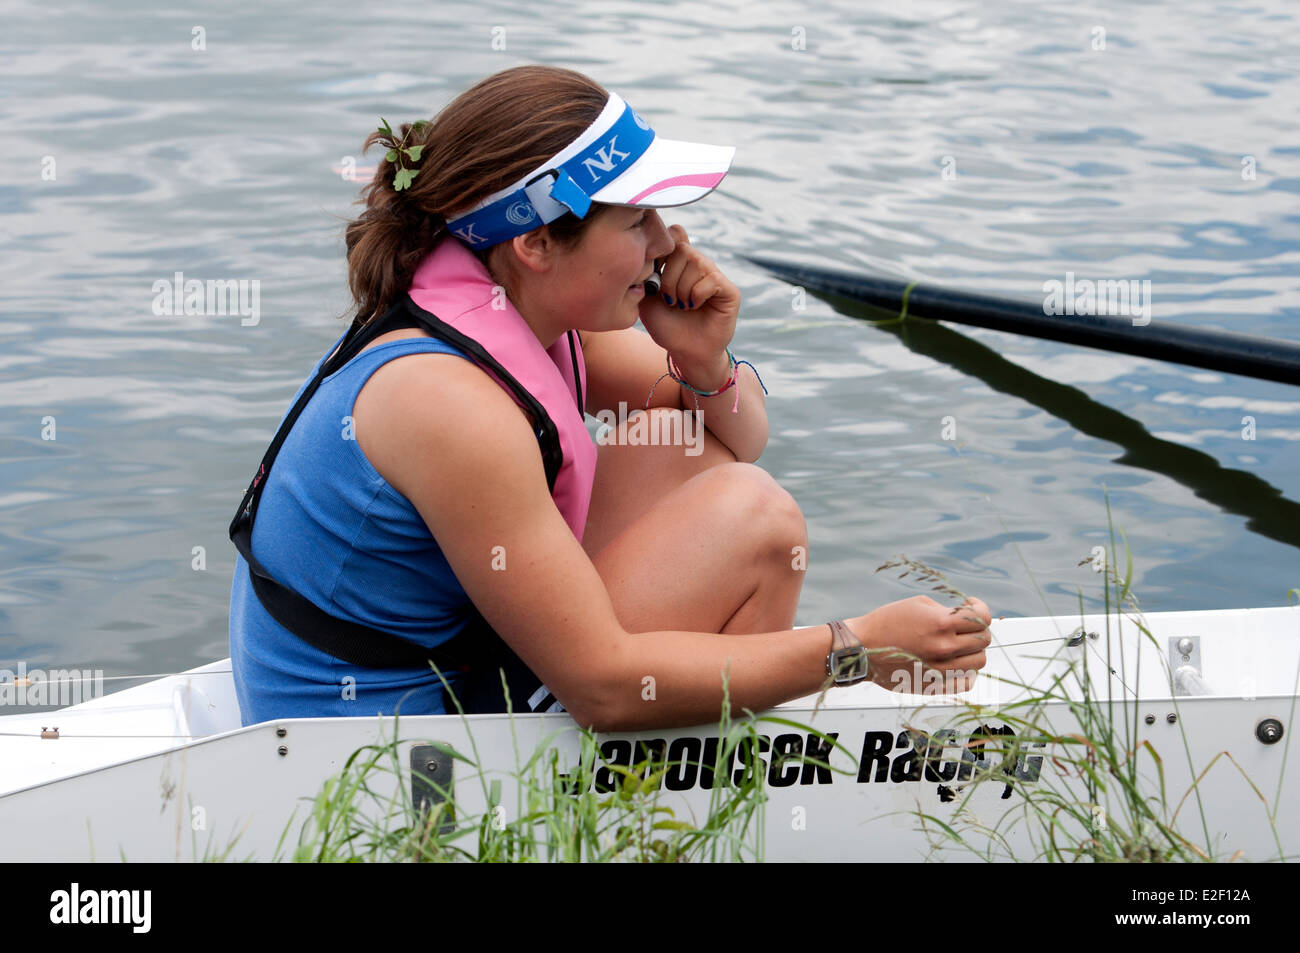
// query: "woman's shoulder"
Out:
[401,334]
[431,409]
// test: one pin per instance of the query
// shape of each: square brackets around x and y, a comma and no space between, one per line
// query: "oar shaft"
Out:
[1242,354]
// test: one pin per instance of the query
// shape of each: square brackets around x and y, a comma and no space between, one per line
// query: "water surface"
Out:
[990,147]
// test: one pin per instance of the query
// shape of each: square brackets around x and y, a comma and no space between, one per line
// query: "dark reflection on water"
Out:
[1238,492]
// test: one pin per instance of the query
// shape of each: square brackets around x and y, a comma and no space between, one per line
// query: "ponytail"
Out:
[484,140]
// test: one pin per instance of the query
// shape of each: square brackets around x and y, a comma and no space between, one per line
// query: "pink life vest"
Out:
[452,284]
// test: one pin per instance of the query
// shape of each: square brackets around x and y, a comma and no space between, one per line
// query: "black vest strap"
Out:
[477,648]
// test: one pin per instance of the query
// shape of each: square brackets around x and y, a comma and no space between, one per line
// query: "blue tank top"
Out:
[331,528]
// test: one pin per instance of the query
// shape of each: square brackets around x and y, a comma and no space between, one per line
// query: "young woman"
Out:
[436,501]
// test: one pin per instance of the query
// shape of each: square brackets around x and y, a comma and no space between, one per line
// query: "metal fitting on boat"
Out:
[432,780]
[283,749]
[1150,719]
[1172,718]
[1188,681]
[1269,731]
[1184,654]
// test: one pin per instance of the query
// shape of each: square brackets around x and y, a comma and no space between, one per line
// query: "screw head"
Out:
[1269,731]
[281,732]
[431,766]
[1171,718]
[1185,646]
[283,749]
[1150,719]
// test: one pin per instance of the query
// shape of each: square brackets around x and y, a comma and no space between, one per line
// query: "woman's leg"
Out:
[632,478]
[695,543]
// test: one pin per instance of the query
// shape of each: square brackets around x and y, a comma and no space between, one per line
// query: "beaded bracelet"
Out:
[696,393]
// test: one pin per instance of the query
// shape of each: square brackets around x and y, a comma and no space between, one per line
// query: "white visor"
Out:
[617,160]
[670,172]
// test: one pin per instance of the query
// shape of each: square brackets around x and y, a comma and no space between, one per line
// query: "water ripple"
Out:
[985,147]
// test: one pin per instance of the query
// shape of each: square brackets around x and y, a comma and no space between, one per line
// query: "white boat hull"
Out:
[165,771]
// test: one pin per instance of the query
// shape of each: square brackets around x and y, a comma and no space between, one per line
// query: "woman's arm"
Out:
[450,440]
[623,366]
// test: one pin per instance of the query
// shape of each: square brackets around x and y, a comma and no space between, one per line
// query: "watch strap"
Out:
[847,662]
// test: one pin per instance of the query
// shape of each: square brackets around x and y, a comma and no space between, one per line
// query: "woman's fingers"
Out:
[707,286]
[960,673]
[676,262]
[967,632]
[973,615]
[960,681]
[689,276]
[956,674]
[971,662]
[944,648]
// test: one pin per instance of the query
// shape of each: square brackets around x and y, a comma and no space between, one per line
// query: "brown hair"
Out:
[485,139]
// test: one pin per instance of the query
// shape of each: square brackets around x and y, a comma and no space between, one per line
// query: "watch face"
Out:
[848,666]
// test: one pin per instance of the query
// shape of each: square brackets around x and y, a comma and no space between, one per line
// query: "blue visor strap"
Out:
[565,191]
[538,192]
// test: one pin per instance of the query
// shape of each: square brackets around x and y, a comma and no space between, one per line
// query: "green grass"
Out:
[558,815]
[1106,799]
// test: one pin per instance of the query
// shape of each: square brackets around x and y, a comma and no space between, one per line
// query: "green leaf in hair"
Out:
[403,177]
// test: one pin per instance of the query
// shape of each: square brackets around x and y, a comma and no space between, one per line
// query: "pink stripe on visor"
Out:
[704,180]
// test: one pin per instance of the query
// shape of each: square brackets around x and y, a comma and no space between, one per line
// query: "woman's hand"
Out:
[919,645]
[700,321]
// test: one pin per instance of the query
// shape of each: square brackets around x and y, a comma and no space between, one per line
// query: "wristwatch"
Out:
[847,662]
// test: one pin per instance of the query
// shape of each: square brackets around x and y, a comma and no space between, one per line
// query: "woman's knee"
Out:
[721,553]
[761,508]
